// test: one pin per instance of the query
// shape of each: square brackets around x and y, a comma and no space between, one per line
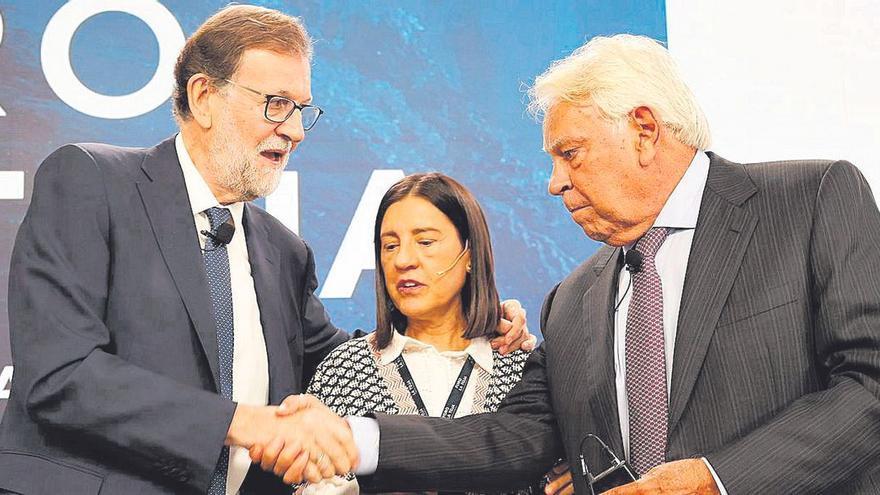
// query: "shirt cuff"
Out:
[366,438]
[721,489]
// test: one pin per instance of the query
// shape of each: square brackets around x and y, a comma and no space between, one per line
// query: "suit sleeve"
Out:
[830,437]
[66,371]
[320,336]
[505,450]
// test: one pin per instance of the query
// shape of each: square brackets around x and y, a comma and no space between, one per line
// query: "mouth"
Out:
[409,287]
[274,156]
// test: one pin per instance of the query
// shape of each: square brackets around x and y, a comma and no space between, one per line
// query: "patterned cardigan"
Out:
[352,382]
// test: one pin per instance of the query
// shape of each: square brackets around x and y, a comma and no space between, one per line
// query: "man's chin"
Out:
[613,239]
[595,234]
[264,190]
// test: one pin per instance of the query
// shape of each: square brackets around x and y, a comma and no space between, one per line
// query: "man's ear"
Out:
[199,90]
[648,128]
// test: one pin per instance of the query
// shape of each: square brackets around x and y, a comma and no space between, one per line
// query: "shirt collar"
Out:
[683,206]
[479,349]
[200,196]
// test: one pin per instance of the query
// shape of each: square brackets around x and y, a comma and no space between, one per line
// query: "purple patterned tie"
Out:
[646,360]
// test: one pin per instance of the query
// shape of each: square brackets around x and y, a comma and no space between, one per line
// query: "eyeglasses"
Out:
[279,108]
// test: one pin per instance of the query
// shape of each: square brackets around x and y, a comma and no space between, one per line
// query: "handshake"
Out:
[300,440]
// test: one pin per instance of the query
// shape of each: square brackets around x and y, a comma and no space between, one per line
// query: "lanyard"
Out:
[455,394]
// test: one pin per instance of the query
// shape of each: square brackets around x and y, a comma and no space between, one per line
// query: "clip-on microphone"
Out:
[633,262]
[222,235]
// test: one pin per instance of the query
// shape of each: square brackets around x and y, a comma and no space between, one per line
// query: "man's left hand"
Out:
[513,331]
[684,477]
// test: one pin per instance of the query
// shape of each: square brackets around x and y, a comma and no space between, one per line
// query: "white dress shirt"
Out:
[679,214]
[250,364]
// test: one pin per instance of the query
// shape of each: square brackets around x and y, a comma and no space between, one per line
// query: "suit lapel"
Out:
[724,229]
[598,302]
[265,261]
[167,205]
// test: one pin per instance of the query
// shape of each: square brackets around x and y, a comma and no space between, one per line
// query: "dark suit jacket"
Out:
[113,337]
[776,373]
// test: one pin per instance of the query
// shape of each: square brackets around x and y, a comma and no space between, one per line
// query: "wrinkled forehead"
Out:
[565,122]
[277,73]
[561,120]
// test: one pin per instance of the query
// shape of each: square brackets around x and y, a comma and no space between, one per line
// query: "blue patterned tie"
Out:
[217,268]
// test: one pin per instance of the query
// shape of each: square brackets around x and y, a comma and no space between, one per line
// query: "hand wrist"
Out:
[241,430]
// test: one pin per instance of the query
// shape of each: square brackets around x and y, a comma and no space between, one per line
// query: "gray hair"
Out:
[217,46]
[620,73]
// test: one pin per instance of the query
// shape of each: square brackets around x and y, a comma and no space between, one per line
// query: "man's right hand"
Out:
[308,443]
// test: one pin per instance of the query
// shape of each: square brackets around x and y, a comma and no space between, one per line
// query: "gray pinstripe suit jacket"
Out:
[776,374]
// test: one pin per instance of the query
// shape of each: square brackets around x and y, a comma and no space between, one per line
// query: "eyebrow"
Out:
[420,230]
[560,143]
[288,95]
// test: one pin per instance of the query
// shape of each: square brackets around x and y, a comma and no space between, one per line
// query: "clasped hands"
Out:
[301,440]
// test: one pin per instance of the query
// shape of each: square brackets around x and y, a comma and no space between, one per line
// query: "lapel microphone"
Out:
[223,234]
[633,261]
[441,273]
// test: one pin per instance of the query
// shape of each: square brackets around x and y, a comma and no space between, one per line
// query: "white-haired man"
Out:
[724,340]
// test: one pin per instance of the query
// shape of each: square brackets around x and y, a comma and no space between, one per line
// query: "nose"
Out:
[406,257]
[292,128]
[560,180]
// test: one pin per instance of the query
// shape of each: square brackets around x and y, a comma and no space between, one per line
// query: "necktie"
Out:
[646,360]
[217,268]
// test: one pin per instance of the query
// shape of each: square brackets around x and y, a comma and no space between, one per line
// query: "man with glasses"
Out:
[154,313]
[279,108]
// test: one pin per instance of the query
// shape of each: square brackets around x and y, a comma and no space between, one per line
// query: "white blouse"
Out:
[435,372]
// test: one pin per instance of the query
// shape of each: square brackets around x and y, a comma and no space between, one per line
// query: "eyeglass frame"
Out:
[619,473]
[269,97]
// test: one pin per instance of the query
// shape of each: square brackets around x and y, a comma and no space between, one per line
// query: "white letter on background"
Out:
[5,382]
[11,184]
[356,252]
[283,204]
[55,58]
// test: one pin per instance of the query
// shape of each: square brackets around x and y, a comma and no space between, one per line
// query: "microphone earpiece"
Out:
[441,273]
